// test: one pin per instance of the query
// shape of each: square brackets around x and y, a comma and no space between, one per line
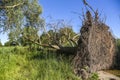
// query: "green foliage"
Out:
[17,63]
[11,43]
[1,44]
[118,54]
[118,44]
[62,36]
[24,11]
[19,15]
[31,34]
[93,76]
[66,34]
[7,43]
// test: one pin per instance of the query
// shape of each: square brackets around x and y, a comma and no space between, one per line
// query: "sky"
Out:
[70,10]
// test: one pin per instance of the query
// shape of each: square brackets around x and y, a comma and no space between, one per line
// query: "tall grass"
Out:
[17,63]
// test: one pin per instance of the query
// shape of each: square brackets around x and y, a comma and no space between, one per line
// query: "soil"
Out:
[107,76]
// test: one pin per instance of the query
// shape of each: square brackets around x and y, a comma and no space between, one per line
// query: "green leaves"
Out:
[20,15]
[21,12]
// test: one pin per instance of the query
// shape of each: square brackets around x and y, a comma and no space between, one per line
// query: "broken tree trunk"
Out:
[59,49]
[96,48]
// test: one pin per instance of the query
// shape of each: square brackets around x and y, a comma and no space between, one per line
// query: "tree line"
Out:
[22,21]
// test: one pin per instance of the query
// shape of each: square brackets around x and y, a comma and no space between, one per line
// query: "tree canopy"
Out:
[21,19]
[16,14]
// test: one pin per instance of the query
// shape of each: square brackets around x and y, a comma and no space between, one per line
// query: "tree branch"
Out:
[13,6]
[44,45]
[86,4]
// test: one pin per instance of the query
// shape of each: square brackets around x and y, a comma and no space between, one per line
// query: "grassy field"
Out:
[17,63]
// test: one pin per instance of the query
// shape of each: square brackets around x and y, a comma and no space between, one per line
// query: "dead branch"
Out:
[74,42]
[43,45]
[86,4]
[76,36]
[13,6]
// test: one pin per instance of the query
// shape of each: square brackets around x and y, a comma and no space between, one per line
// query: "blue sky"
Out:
[63,9]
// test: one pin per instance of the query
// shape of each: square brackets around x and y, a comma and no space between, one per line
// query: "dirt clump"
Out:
[96,47]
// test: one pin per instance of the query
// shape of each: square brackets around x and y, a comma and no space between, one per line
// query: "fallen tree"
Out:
[96,48]
[59,48]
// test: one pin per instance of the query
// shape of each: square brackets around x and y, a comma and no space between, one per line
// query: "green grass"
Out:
[17,63]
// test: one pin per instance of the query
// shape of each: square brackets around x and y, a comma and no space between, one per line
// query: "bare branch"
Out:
[74,42]
[86,4]
[84,1]
[75,36]
[13,6]
[43,45]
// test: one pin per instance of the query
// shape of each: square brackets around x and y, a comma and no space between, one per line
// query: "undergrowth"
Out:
[17,63]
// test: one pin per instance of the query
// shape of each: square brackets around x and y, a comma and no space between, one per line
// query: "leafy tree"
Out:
[18,14]
[63,34]
[48,37]
[30,34]
[68,36]
[63,37]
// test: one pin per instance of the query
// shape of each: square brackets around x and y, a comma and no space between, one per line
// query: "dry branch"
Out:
[63,50]
[13,6]
[43,45]
[86,4]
